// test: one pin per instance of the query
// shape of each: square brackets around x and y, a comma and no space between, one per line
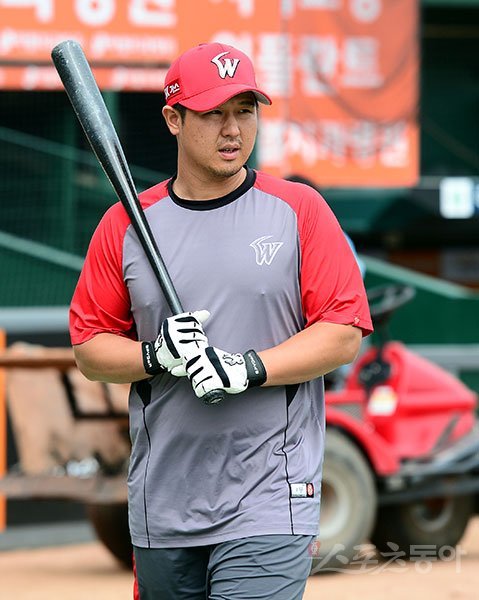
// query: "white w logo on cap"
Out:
[227,66]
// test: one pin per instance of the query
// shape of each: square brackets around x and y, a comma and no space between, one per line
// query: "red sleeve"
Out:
[101,302]
[332,287]
[331,283]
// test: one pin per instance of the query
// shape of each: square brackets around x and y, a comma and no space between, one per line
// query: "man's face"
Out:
[218,142]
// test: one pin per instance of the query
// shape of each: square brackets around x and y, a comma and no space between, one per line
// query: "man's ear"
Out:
[172,118]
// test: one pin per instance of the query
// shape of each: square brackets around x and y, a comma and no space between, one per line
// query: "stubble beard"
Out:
[224,172]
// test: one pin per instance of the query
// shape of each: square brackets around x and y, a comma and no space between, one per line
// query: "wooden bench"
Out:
[71,434]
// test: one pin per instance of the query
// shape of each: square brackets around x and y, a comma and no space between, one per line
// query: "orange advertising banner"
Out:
[343,74]
[351,114]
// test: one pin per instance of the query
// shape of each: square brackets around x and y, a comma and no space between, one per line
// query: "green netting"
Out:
[32,282]
[52,195]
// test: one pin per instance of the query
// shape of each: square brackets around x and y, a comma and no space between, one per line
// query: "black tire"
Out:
[348,503]
[437,522]
[110,522]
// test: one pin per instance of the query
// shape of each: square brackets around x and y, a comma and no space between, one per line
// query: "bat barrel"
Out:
[89,106]
[87,101]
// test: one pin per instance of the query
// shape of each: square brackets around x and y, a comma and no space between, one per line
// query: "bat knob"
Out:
[214,397]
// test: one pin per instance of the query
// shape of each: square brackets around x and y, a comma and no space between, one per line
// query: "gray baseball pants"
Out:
[267,567]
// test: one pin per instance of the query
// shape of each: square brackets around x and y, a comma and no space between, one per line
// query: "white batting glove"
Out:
[214,369]
[181,336]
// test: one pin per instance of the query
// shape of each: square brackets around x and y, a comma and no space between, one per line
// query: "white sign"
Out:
[456,197]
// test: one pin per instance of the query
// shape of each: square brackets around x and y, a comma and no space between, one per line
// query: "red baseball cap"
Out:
[208,75]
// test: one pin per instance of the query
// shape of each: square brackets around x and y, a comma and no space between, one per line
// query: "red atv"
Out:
[402,452]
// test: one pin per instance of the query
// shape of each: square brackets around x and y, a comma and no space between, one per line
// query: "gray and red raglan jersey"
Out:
[266,260]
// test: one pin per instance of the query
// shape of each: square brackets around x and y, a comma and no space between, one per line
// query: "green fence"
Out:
[441,312]
[51,198]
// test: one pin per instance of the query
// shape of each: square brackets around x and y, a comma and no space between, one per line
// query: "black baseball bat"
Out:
[89,106]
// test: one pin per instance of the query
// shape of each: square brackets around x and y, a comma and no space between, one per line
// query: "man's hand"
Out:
[213,369]
[181,336]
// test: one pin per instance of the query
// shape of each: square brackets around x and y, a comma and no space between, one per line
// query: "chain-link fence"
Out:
[52,195]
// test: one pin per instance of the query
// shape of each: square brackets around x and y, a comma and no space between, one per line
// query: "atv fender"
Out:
[381,456]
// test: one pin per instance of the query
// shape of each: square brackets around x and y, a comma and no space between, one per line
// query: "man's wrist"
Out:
[255,369]
[151,363]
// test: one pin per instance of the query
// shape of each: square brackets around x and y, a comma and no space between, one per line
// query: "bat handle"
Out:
[214,397]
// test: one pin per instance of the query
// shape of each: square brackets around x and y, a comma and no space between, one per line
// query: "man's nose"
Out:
[230,126]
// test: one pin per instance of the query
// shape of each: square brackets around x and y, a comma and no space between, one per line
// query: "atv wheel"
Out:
[348,503]
[438,523]
[110,522]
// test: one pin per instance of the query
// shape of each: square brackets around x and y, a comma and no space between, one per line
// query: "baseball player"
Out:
[224,499]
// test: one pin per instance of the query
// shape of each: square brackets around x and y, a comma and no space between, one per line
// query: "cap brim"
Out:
[215,97]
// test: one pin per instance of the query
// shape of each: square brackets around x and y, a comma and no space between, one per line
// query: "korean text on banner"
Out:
[343,75]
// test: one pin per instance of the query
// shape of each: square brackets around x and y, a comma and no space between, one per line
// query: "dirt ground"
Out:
[87,572]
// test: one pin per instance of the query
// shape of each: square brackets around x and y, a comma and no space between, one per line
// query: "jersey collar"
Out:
[214,202]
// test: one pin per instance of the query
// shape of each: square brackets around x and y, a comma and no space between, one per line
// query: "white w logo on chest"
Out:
[226,66]
[265,251]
